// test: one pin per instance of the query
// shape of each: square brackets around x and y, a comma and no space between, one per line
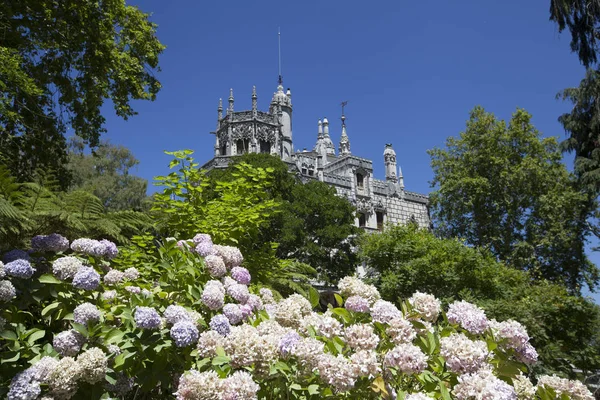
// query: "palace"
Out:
[377,202]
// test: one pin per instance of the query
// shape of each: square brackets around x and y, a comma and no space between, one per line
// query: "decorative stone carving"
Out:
[363,204]
[265,133]
[242,131]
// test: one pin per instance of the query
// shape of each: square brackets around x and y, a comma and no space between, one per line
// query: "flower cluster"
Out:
[19,268]
[96,248]
[53,242]
[371,346]
[147,318]
[426,305]
[463,354]
[207,385]
[65,268]
[60,376]
[468,316]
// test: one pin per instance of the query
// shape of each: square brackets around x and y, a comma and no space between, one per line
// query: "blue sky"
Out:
[410,71]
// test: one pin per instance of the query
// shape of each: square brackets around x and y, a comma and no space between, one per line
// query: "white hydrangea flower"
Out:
[361,337]
[352,286]
[426,305]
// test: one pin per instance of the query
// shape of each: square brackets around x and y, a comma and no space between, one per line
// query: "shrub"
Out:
[176,330]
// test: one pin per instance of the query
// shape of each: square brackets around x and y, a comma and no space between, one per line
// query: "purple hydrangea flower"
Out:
[467,315]
[174,314]
[202,238]
[204,249]
[113,277]
[239,292]
[213,295]
[254,302]
[220,324]
[86,312]
[357,304]
[184,333]
[68,343]
[19,268]
[231,255]
[86,278]
[133,289]
[241,275]
[66,267]
[383,311]
[246,310]
[215,266]
[53,242]
[527,354]
[233,313]
[24,387]
[131,273]
[146,318]
[110,249]
[287,343]
[15,255]
[88,246]
[7,291]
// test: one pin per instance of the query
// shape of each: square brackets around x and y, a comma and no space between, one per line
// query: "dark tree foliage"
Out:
[315,226]
[563,328]
[59,62]
[582,18]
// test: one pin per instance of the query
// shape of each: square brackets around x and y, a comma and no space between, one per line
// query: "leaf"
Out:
[444,391]
[49,308]
[12,358]
[119,360]
[221,360]
[48,278]
[314,297]
[313,389]
[8,335]
[35,336]
[339,300]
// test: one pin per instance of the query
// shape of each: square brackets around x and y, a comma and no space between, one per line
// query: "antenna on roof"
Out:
[279,48]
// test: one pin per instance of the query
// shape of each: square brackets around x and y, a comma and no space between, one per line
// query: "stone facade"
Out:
[377,202]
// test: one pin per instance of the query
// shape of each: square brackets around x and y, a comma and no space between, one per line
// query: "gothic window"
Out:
[360,181]
[311,172]
[223,150]
[380,221]
[304,171]
[242,145]
[362,220]
[265,147]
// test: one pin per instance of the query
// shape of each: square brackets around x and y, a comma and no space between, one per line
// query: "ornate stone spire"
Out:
[254,102]
[230,109]
[219,113]
[344,140]
[401,179]
[320,135]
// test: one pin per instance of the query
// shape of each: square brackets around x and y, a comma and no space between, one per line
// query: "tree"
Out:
[315,226]
[59,62]
[406,259]
[582,18]
[503,187]
[38,208]
[105,173]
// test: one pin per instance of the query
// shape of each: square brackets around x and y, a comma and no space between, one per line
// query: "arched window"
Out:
[362,220]
[242,146]
[223,150]
[380,221]
[265,147]
[360,181]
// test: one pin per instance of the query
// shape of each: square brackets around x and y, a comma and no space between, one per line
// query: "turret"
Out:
[281,105]
[330,148]
[389,158]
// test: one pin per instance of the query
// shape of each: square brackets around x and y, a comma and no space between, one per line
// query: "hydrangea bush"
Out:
[192,326]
